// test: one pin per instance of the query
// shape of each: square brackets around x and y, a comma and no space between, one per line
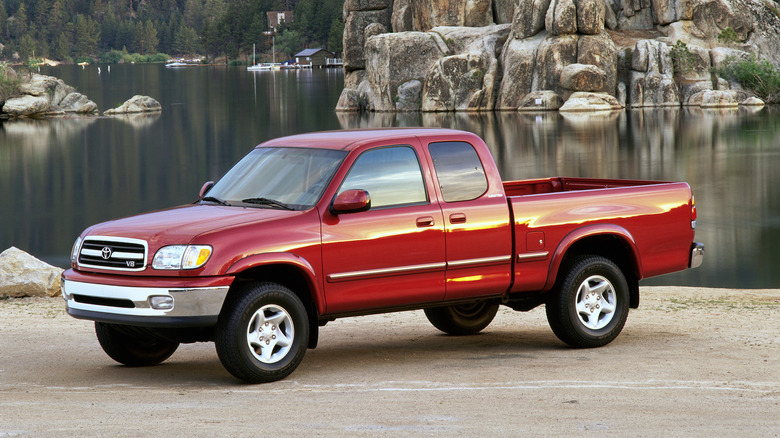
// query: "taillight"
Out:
[693,212]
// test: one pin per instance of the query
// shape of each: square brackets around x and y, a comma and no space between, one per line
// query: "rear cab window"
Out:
[459,171]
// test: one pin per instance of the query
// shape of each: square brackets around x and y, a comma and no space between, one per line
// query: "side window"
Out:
[461,175]
[391,176]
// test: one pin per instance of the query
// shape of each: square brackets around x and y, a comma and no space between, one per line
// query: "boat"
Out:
[264,66]
[179,64]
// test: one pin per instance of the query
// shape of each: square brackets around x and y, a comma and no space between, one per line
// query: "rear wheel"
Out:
[262,334]
[463,319]
[589,306]
[133,347]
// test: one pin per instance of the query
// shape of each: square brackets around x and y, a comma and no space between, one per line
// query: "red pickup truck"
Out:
[309,228]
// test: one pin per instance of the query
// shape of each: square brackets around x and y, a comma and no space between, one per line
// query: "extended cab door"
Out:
[476,220]
[393,254]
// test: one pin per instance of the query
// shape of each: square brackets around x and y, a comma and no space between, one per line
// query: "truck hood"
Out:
[180,225]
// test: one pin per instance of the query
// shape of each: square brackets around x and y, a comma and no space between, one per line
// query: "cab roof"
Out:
[351,139]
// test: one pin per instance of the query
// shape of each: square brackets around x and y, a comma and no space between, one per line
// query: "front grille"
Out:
[117,253]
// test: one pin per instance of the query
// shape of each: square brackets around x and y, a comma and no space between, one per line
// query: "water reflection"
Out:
[61,175]
[729,157]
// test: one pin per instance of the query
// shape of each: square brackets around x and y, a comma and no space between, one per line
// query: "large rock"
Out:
[469,79]
[136,104]
[552,56]
[652,76]
[402,18]
[544,100]
[27,105]
[584,101]
[395,58]
[78,103]
[583,77]
[561,18]
[590,16]
[435,13]
[715,99]
[22,275]
[519,62]
[529,18]
[354,39]
[409,96]
[600,51]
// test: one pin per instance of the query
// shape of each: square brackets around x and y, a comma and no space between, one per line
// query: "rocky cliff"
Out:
[484,55]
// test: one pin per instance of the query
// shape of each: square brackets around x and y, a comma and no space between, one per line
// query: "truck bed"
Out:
[566,184]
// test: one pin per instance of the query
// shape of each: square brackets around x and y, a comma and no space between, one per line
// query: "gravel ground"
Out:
[690,361]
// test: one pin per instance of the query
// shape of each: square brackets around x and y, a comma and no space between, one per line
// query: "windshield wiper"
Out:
[268,202]
[217,200]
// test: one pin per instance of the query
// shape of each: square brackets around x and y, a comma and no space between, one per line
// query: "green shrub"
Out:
[757,75]
[159,57]
[112,57]
[236,62]
[728,36]
[682,58]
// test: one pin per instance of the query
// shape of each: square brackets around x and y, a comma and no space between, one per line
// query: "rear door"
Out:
[478,232]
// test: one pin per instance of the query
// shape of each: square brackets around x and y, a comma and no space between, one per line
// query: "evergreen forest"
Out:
[109,30]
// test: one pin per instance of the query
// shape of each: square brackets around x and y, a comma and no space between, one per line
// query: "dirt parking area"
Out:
[691,362]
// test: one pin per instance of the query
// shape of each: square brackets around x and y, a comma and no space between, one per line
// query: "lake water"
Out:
[61,175]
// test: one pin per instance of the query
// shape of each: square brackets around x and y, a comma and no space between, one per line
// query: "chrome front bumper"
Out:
[697,255]
[144,306]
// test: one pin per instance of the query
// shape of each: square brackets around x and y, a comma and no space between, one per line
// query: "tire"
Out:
[464,319]
[131,348]
[589,306]
[262,333]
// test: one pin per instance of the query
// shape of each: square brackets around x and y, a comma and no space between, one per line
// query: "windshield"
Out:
[278,177]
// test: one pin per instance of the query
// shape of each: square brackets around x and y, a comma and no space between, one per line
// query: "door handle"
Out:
[457,218]
[425,221]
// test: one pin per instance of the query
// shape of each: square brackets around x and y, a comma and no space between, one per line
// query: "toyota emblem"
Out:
[106,253]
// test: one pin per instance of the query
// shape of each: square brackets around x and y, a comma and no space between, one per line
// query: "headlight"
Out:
[181,257]
[74,253]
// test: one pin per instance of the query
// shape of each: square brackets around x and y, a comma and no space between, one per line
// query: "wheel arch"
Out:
[288,270]
[607,240]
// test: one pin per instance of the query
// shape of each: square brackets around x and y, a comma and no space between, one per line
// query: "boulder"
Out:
[719,56]
[78,103]
[583,77]
[714,99]
[504,11]
[27,105]
[591,15]
[354,38]
[585,101]
[544,100]
[136,104]
[409,96]
[552,56]
[752,101]
[600,51]
[434,13]
[651,79]
[401,18]
[518,60]
[395,58]
[529,18]
[561,18]
[22,275]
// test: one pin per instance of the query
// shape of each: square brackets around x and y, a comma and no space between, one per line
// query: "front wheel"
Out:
[262,334]
[132,347]
[589,307]
[464,319]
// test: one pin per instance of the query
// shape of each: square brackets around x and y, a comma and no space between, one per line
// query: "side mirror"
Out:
[205,189]
[351,201]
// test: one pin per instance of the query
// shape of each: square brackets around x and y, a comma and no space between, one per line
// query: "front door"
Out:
[393,254]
